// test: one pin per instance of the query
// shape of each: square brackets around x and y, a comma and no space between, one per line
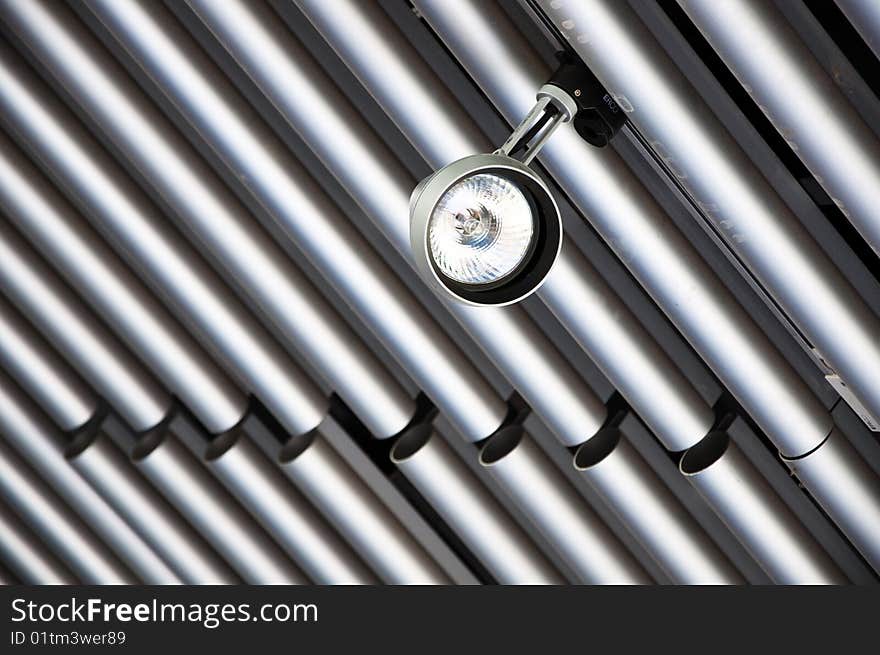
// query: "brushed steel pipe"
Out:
[132,222]
[847,78]
[441,129]
[7,577]
[865,17]
[551,502]
[544,377]
[647,507]
[747,212]
[327,480]
[756,515]
[289,76]
[801,100]
[385,483]
[211,211]
[140,320]
[496,54]
[104,466]
[256,37]
[26,556]
[283,512]
[625,351]
[397,77]
[176,269]
[282,185]
[38,441]
[847,489]
[211,510]
[466,505]
[56,525]
[73,329]
[41,371]
[771,242]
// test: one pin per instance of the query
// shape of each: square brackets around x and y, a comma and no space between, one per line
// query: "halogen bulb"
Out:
[481,230]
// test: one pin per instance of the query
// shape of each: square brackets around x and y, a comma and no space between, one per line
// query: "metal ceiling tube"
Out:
[75,249]
[221,115]
[106,361]
[231,93]
[837,464]
[228,20]
[327,480]
[865,17]
[255,481]
[81,253]
[206,505]
[190,303]
[77,159]
[441,129]
[123,212]
[621,209]
[105,467]
[342,496]
[753,511]
[220,221]
[26,555]
[651,512]
[114,479]
[56,525]
[473,514]
[763,232]
[244,31]
[748,213]
[267,51]
[389,67]
[89,254]
[848,75]
[31,433]
[54,308]
[801,100]
[68,150]
[86,173]
[7,577]
[606,191]
[42,373]
[574,530]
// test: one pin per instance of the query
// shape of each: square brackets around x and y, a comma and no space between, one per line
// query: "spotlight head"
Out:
[485,229]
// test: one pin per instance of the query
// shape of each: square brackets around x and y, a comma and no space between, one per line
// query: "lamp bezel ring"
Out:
[544,250]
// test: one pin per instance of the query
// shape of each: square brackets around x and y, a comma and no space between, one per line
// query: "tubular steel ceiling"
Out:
[217,364]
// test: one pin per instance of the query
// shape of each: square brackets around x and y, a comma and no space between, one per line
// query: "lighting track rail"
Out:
[661,164]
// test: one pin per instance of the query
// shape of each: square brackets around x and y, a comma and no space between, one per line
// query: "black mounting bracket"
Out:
[598,117]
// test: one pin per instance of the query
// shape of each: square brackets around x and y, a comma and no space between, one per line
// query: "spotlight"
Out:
[485,229]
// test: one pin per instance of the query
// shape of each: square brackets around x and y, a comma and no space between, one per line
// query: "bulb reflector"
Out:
[481,230]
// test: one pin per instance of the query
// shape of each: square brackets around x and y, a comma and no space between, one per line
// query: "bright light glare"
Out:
[481,230]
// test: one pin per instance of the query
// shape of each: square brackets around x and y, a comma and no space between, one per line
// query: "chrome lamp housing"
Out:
[533,261]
